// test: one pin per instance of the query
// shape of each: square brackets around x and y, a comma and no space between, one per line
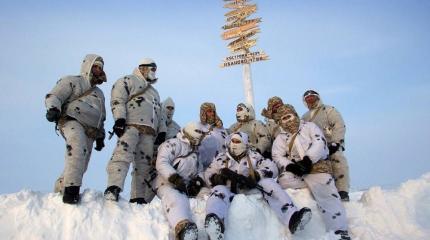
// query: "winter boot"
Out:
[186,230]
[342,235]
[71,195]
[299,219]
[112,193]
[344,196]
[214,227]
[138,200]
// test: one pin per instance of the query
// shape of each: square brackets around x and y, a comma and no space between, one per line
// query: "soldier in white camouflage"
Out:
[259,136]
[331,123]
[173,128]
[77,106]
[139,124]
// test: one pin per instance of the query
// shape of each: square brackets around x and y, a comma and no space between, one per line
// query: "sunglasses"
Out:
[309,93]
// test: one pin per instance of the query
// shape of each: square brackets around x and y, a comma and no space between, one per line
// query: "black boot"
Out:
[138,200]
[344,196]
[214,227]
[299,219]
[112,193]
[186,230]
[342,235]
[71,195]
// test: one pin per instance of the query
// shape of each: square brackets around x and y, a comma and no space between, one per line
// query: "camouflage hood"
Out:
[87,64]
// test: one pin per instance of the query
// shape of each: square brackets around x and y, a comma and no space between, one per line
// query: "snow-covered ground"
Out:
[403,213]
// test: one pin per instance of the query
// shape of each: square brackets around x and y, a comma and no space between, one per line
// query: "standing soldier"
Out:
[214,141]
[333,126]
[259,136]
[77,106]
[172,127]
[138,118]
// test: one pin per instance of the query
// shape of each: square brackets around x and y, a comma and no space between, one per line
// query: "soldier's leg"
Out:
[289,180]
[340,171]
[123,155]
[328,201]
[177,209]
[283,206]
[144,173]
[77,153]
[59,186]
[216,210]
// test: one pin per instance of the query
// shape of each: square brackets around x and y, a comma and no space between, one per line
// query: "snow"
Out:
[403,213]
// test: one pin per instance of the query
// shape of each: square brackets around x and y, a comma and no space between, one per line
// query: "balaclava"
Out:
[287,118]
[244,112]
[169,112]
[238,145]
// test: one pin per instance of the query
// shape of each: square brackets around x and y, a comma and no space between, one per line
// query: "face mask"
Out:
[241,114]
[236,147]
[151,76]
[290,123]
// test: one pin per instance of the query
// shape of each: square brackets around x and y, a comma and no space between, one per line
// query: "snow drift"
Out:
[403,213]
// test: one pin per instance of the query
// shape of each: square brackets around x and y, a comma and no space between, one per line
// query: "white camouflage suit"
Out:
[137,101]
[259,136]
[330,121]
[221,195]
[310,142]
[82,113]
[176,155]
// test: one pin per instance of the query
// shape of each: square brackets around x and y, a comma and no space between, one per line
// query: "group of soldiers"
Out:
[203,157]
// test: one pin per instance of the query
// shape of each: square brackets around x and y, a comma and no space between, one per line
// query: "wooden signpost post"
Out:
[242,30]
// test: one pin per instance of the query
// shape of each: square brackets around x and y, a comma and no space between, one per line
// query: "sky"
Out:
[369,59]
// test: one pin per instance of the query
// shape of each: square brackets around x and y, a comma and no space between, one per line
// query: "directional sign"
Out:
[245,44]
[241,23]
[245,55]
[242,15]
[244,61]
[243,30]
[242,10]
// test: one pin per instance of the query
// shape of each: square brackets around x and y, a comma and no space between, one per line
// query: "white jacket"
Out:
[309,142]
[224,159]
[176,155]
[212,144]
[67,96]
[329,120]
[137,101]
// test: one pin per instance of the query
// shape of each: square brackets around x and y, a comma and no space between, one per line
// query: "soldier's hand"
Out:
[218,179]
[161,137]
[178,182]
[119,127]
[333,148]
[194,186]
[295,169]
[100,144]
[53,114]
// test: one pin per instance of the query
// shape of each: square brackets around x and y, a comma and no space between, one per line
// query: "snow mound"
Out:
[403,213]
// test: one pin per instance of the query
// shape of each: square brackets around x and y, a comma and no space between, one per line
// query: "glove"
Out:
[178,182]
[294,168]
[53,115]
[100,144]
[305,165]
[194,186]
[267,154]
[161,137]
[218,179]
[233,176]
[333,148]
[119,127]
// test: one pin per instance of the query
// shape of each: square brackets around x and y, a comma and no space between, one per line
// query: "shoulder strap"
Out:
[251,168]
[291,144]
[315,114]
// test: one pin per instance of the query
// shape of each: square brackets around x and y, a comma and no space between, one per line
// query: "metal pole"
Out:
[247,84]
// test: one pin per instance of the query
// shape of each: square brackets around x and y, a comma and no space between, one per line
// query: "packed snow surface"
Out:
[403,213]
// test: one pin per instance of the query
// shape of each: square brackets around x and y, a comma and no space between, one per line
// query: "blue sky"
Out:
[370,59]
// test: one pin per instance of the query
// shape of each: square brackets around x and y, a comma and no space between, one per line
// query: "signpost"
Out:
[241,31]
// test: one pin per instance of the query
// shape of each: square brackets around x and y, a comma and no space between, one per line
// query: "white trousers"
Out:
[78,152]
[176,205]
[325,193]
[136,148]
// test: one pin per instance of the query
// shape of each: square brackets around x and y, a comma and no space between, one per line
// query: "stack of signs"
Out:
[242,31]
